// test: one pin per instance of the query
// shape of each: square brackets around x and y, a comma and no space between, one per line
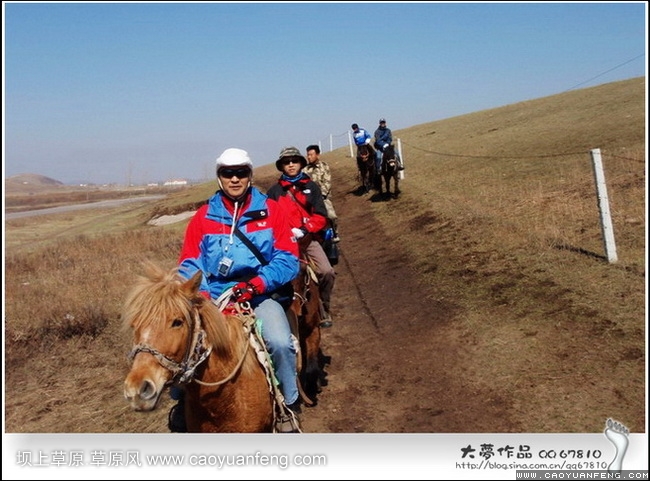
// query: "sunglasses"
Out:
[230,173]
[290,161]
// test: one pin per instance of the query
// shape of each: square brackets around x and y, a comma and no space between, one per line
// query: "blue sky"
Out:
[117,92]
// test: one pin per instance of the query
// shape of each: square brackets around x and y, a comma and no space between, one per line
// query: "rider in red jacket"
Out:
[303,202]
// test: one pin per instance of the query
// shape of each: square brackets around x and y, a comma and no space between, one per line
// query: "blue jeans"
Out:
[378,155]
[277,336]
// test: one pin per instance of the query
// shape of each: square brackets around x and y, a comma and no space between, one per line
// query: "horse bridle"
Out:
[196,352]
[199,350]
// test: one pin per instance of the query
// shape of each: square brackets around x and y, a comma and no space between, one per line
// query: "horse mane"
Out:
[161,292]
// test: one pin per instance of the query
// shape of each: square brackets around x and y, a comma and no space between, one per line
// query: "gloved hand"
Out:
[298,233]
[384,147]
[243,291]
[367,141]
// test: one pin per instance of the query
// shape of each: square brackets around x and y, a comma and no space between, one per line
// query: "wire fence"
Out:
[334,141]
[560,189]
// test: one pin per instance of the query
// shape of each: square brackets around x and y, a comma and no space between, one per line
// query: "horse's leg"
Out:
[360,175]
[312,371]
[310,336]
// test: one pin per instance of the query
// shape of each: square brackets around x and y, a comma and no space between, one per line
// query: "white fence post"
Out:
[331,143]
[603,206]
[399,151]
[350,143]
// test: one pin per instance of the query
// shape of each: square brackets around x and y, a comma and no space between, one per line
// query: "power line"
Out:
[607,71]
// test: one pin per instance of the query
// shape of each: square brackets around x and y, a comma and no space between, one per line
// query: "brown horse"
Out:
[179,336]
[389,170]
[366,167]
[307,311]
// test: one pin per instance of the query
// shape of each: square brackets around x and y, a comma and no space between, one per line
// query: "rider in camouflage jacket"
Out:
[319,172]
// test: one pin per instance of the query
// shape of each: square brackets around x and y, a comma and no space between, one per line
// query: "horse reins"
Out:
[244,314]
[198,350]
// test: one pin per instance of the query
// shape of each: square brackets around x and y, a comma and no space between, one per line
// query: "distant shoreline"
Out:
[69,208]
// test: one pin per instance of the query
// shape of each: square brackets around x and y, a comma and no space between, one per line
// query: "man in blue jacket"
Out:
[361,136]
[383,138]
[213,246]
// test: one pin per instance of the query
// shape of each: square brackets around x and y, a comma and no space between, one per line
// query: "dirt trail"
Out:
[395,365]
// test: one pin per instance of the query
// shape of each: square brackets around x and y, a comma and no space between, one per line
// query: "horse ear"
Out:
[191,286]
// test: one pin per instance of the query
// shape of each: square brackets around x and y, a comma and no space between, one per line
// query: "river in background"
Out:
[92,205]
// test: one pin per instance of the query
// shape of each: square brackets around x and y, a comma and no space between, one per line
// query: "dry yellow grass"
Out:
[498,212]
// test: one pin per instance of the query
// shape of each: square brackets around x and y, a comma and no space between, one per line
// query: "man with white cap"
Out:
[213,245]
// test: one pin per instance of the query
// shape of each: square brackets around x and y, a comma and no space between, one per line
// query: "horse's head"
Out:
[363,153]
[389,153]
[165,314]
[389,160]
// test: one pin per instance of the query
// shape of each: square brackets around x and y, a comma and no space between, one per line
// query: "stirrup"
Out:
[288,420]
[288,423]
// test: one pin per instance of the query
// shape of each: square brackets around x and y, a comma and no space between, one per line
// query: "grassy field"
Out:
[499,210]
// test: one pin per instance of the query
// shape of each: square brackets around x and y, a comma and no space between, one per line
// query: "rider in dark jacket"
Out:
[383,138]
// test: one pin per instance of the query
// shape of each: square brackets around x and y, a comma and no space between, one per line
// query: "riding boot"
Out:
[326,317]
[176,419]
[289,421]
[335,231]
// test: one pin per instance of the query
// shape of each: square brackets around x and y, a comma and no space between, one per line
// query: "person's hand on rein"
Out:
[299,233]
[243,292]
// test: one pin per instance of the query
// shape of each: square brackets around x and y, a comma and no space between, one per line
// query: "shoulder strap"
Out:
[251,246]
[295,199]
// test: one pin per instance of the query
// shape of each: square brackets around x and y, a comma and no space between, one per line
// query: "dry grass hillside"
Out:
[482,293]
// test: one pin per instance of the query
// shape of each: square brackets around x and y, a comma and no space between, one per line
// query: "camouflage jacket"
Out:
[320,173]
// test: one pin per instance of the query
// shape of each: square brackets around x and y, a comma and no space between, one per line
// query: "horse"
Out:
[180,337]
[366,167]
[306,312]
[389,164]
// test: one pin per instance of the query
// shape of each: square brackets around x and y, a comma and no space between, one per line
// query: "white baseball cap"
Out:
[234,158]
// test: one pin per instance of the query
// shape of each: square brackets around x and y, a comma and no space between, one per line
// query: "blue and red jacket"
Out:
[210,238]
